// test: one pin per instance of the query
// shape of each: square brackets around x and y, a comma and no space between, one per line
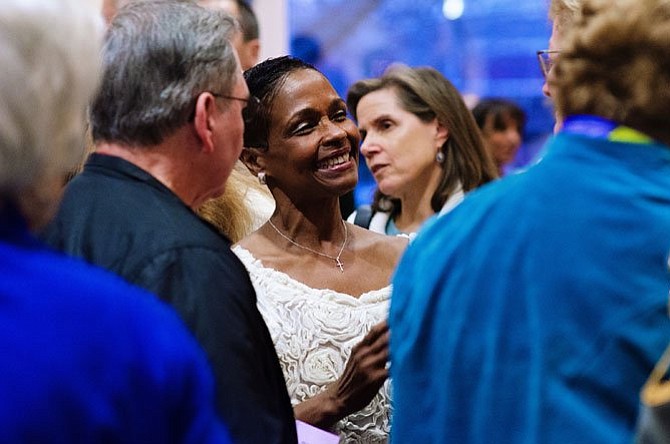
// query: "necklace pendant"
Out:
[339,264]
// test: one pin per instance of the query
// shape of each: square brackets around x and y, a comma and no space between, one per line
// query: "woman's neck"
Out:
[415,203]
[413,214]
[313,221]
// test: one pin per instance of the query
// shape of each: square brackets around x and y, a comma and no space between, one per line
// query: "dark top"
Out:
[87,358]
[118,216]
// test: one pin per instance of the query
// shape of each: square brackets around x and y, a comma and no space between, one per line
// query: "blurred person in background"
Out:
[502,124]
[85,356]
[247,41]
[422,145]
[536,309]
[249,46]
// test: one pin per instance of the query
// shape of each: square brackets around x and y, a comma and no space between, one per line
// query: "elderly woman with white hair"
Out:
[78,361]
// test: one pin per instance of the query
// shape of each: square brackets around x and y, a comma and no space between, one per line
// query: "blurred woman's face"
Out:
[399,148]
[502,141]
[312,144]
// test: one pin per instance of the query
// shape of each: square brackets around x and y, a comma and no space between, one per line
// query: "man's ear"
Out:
[203,120]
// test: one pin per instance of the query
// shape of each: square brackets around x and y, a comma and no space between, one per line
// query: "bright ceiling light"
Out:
[453,9]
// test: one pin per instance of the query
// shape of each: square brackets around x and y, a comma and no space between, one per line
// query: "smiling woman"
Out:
[322,284]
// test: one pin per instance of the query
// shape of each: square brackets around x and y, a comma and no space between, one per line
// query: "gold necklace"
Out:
[338,263]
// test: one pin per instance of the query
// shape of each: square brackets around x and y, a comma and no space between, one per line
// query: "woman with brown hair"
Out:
[420,142]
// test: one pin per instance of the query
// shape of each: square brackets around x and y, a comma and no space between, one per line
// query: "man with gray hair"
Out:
[85,356]
[167,125]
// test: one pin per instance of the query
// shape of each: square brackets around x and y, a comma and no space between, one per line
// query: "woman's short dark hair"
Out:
[264,81]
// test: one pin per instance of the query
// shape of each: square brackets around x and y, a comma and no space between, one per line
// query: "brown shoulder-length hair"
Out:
[427,94]
[615,63]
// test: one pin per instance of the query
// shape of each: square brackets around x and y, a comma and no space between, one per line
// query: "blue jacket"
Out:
[535,310]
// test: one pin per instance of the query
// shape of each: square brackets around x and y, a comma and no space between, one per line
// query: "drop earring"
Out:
[439,157]
[262,179]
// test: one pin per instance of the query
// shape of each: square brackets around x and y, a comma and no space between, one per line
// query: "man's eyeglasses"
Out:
[546,58]
[249,111]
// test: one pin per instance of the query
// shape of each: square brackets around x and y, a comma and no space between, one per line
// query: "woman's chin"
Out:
[388,190]
[348,187]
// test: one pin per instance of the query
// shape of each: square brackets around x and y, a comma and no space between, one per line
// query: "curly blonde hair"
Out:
[616,64]
[229,212]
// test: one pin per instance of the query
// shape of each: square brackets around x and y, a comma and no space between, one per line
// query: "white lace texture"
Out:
[313,331]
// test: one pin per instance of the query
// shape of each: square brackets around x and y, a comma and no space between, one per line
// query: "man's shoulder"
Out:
[115,218]
[191,269]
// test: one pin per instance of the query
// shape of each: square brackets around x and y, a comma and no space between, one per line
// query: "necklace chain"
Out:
[338,263]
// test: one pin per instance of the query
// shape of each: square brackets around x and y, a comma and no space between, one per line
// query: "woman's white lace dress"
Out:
[314,331]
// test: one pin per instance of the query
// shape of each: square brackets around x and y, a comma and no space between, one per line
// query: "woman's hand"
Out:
[365,371]
[363,376]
